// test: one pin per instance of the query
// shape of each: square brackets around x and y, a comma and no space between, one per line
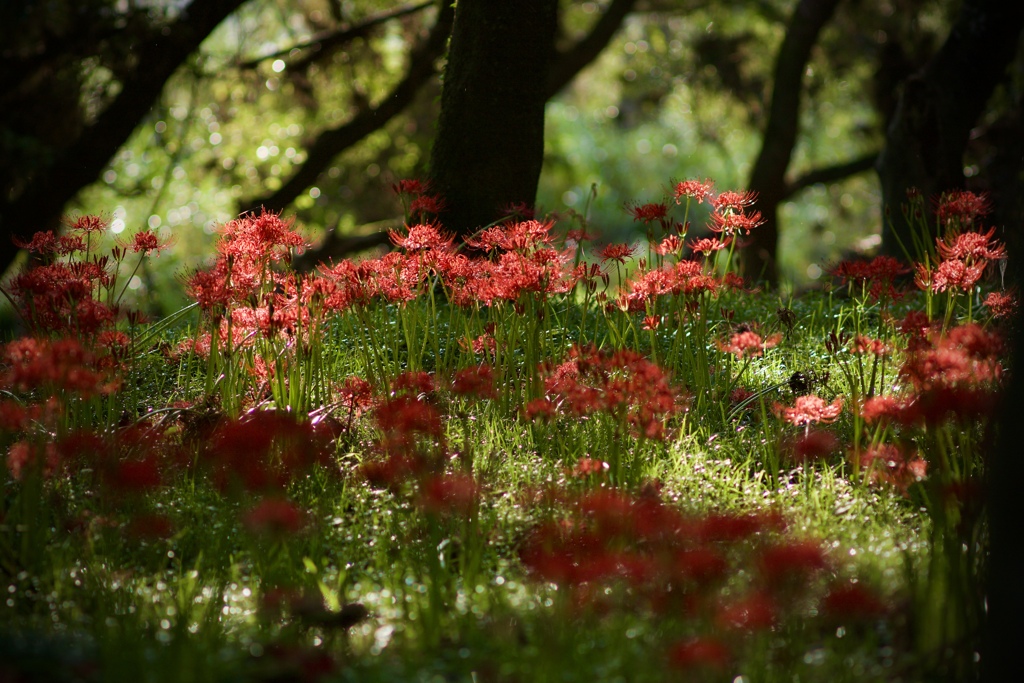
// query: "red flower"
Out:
[449,494]
[962,207]
[733,201]
[693,189]
[274,517]
[615,252]
[748,344]
[1002,305]
[476,381]
[651,322]
[144,242]
[971,247]
[852,601]
[648,213]
[421,237]
[732,223]
[953,274]
[41,243]
[411,186]
[427,204]
[706,245]
[809,410]
[699,653]
[813,445]
[753,613]
[794,560]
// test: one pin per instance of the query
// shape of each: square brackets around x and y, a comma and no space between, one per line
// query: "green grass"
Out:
[455,568]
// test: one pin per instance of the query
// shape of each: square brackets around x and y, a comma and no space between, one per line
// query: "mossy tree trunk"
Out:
[489,147]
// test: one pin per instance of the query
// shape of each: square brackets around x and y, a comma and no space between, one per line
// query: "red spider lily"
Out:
[44,242]
[522,236]
[700,565]
[748,344]
[23,456]
[889,464]
[276,517]
[411,186]
[734,527]
[950,274]
[707,245]
[754,612]
[414,383]
[616,252]
[427,204]
[264,451]
[852,602]
[88,223]
[669,245]
[16,416]
[476,382]
[810,409]
[1002,305]
[392,471]
[971,247]
[144,242]
[449,494]
[539,408]
[880,273]
[793,560]
[150,526]
[404,418]
[651,322]
[620,383]
[735,222]
[648,213]
[878,407]
[967,355]
[422,236]
[699,653]
[961,207]
[256,238]
[813,445]
[693,189]
[586,467]
[863,344]
[61,365]
[740,395]
[733,201]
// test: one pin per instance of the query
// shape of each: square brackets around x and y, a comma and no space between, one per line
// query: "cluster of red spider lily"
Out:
[612,551]
[607,549]
[623,384]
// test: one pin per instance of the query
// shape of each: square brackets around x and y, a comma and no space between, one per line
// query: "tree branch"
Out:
[570,62]
[332,142]
[158,56]
[328,41]
[831,174]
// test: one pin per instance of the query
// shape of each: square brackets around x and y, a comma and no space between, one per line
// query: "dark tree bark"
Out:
[768,177]
[1000,655]
[939,106]
[490,139]
[567,64]
[158,54]
[332,142]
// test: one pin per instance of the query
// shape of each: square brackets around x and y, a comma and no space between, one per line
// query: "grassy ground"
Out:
[503,468]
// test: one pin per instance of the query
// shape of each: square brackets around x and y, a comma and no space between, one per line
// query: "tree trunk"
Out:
[489,147]
[768,177]
[938,108]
